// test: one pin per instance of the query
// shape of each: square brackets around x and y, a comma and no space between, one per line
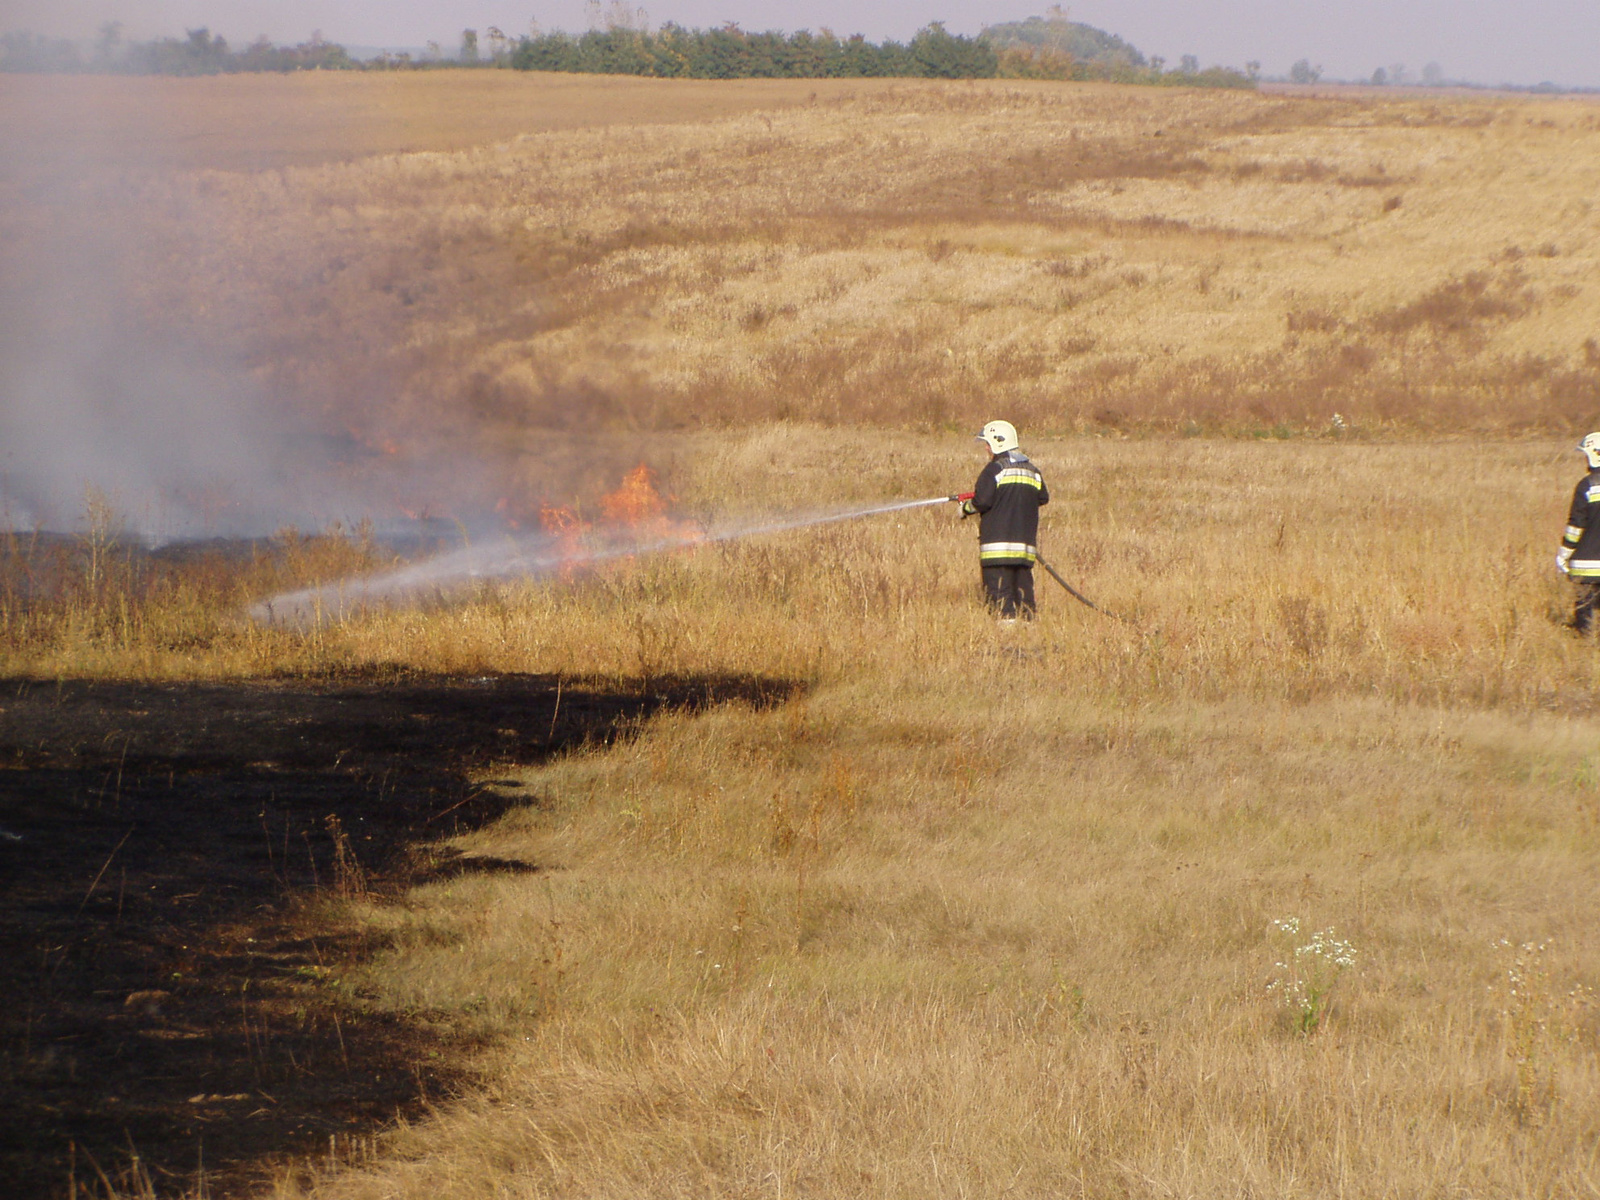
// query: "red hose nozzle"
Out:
[961,497]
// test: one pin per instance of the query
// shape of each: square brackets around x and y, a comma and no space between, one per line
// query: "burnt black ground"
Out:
[165,990]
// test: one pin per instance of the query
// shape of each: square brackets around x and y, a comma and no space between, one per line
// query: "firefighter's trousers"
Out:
[1009,590]
[1584,604]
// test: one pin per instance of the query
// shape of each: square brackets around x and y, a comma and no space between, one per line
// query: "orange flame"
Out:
[636,502]
[635,514]
[564,525]
[637,507]
[559,521]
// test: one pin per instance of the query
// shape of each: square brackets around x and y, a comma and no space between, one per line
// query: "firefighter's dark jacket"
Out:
[1008,496]
[1583,529]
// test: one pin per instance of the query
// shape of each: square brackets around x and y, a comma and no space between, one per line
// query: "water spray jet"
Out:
[447,575]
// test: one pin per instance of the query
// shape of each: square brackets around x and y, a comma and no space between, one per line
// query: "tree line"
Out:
[1036,49]
[731,53]
[933,53]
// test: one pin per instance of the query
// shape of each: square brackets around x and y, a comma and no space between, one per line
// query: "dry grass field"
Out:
[1084,258]
[263,122]
[978,911]
[993,911]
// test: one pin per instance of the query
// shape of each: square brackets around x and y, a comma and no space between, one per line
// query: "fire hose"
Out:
[963,497]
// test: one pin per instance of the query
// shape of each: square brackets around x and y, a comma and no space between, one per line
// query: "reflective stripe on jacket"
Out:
[1583,529]
[1008,496]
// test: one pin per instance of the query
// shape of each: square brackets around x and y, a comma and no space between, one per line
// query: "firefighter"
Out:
[1007,499]
[1579,559]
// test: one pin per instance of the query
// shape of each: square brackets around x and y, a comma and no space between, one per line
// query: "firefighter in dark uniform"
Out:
[1579,559]
[1007,499]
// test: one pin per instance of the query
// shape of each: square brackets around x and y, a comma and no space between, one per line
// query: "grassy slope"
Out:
[1082,257]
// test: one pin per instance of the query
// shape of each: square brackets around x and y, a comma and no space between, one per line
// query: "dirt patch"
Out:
[165,992]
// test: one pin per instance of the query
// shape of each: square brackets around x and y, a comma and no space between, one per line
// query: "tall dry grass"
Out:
[1287,570]
[102,603]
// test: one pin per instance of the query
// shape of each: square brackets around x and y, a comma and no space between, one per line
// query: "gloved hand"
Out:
[967,510]
[1562,556]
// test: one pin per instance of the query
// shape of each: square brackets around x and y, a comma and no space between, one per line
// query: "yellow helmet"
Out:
[1002,436]
[1591,450]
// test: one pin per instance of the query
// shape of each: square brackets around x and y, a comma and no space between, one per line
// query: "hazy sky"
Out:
[1485,41]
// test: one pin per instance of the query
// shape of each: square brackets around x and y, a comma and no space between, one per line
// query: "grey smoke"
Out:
[107,384]
[178,445]
[94,393]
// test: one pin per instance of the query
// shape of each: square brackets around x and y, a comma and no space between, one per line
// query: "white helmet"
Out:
[1002,436]
[1591,450]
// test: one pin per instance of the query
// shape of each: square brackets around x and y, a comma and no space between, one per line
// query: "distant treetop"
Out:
[1055,47]
[1056,33]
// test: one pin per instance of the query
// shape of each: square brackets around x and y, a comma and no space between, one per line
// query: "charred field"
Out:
[187,1004]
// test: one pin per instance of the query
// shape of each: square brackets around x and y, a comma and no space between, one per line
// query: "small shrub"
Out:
[1537,1019]
[1304,978]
